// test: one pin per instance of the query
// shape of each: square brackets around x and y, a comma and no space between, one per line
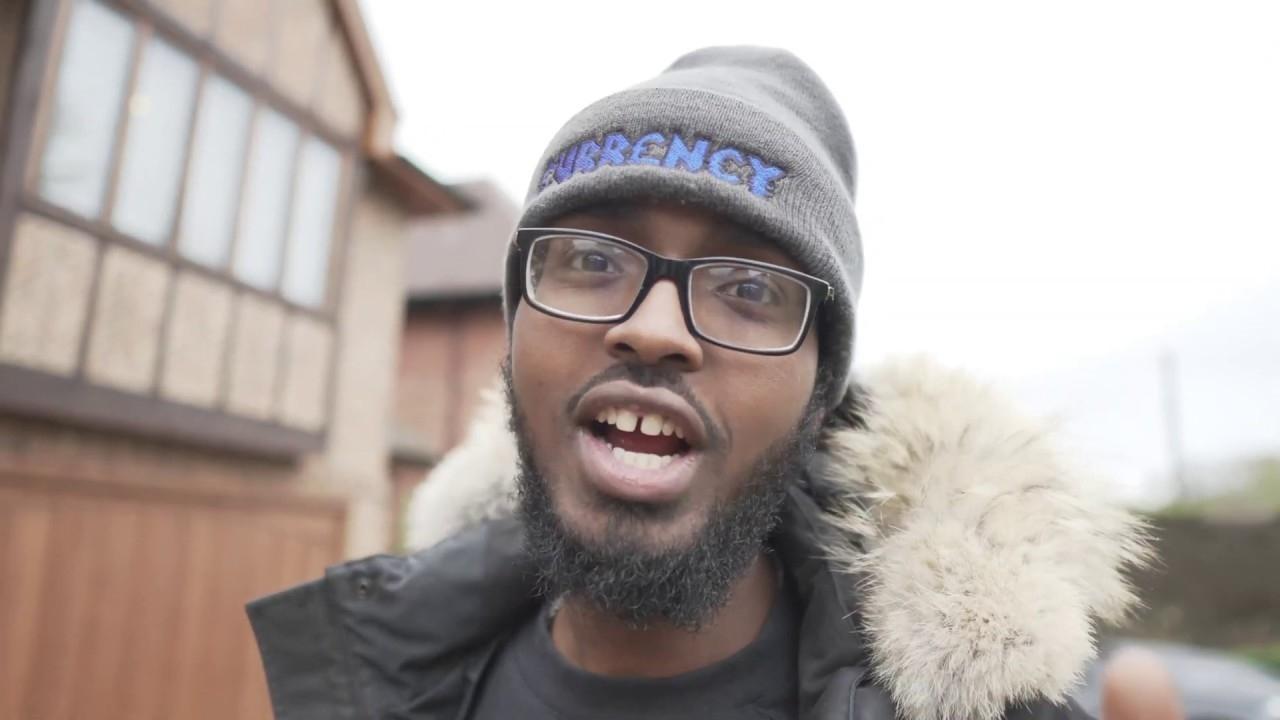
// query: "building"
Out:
[454,335]
[202,233]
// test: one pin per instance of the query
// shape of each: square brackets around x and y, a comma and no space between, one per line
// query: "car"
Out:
[1213,685]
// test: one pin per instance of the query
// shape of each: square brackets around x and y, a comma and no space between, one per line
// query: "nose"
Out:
[656,333]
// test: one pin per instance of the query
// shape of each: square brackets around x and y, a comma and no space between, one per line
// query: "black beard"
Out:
[683,585]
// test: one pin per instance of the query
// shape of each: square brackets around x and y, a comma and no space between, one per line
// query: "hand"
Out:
[1137,686]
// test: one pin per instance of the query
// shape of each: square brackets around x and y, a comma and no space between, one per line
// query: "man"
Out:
[698,513]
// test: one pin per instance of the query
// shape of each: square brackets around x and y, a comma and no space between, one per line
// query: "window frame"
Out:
[149,20]
[30,109]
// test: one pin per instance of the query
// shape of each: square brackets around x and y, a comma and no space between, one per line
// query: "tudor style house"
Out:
[202,234]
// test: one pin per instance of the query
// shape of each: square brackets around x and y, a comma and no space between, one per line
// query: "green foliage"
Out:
[1262,493]
[1266,655]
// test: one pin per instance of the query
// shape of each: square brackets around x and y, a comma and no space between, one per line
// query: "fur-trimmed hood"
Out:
[980,559]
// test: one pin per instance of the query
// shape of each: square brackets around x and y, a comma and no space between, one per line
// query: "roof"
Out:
[382,112]
[417,192]
[460,256]
[414,188]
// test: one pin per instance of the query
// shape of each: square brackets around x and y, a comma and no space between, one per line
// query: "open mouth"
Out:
[646,441]
[640,444]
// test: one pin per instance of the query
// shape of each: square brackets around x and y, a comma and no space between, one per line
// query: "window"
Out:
[319,171]
[159,112]
[213,182]
[232,178]
[266,201]
[91,84]
[193,157]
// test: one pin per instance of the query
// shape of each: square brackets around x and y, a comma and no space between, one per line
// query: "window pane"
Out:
[91,80]
[314,205]
[266,201]
[208,212]
[159,115]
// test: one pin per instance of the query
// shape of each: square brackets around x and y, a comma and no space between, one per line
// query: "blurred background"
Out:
[250,271]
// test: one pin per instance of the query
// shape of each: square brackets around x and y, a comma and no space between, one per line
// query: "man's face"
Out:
[732,415]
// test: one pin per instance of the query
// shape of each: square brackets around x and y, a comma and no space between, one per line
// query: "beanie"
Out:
[749,133]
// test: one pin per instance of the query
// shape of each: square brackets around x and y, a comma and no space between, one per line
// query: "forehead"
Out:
[678,231]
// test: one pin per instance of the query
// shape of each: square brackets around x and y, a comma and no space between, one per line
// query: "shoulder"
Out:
[350,643]
[980,555]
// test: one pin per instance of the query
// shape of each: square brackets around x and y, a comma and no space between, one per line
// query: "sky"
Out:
[1043,187]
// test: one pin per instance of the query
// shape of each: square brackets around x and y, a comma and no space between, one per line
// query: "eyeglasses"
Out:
[738,304]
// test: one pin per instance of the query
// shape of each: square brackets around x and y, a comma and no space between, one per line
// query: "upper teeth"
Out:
[649,423]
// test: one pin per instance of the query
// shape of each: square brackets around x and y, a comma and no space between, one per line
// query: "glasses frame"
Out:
[660,267]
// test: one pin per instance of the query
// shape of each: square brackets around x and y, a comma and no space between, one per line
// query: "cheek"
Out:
[550,358]
[535,368]
[528,365]
[767,398]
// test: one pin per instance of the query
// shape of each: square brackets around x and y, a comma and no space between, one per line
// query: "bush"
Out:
[1265,655]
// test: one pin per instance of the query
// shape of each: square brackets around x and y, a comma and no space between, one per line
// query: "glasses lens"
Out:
[584,277]
[748,307]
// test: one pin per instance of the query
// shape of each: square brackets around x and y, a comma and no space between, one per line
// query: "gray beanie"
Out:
[749,133]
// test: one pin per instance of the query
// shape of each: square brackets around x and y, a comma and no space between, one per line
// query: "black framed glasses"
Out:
[739,304]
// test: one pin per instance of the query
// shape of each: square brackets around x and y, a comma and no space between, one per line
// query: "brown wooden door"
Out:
[129,603]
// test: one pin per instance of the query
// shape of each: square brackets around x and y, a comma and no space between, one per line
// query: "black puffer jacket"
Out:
[949,567]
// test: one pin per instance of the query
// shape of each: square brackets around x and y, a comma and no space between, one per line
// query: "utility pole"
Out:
[1170,393]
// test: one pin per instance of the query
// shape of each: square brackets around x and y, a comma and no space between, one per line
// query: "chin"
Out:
[605,522]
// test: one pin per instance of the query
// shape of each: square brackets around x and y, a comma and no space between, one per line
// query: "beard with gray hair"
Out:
[683,585]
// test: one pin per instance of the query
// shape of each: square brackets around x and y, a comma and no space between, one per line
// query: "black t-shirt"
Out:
[530,680]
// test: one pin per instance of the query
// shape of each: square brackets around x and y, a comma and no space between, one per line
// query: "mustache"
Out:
[653,376]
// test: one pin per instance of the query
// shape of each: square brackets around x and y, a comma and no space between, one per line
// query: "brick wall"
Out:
[450,352]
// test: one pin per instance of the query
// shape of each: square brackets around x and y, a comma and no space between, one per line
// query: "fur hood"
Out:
[982,559]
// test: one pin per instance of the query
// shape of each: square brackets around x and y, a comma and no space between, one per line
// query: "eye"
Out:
[756,290]
[753,291]
[592,261]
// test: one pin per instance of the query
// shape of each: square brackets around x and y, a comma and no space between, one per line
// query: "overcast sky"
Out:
[1042,186]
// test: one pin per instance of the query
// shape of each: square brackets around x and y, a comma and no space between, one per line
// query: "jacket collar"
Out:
[939,538]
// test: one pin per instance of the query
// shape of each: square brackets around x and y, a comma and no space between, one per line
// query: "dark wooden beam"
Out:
[38,394]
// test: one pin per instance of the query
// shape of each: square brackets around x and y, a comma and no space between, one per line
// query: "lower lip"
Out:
[615,478]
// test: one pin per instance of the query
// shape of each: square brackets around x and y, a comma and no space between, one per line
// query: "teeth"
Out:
[652,424]
[642,461]
[626,421]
